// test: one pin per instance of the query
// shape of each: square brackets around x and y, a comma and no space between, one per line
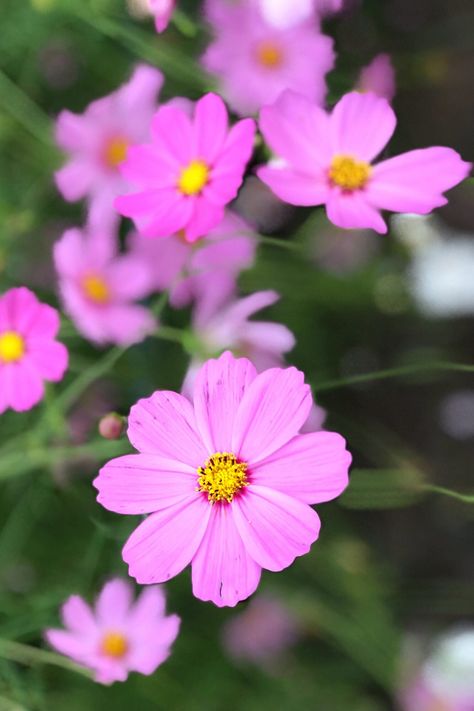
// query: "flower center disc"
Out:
[96,289]
[222,476]
[269,55]
[193,178]
[114,644]
[348,173]
[12,347]
[115,152]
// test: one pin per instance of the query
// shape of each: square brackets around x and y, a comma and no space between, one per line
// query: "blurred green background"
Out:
[395,555]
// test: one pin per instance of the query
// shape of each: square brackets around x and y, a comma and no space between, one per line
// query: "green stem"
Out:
[25,111]
[465,498]
[30,656]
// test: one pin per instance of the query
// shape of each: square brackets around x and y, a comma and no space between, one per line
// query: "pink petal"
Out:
[125,324]
[49,358]
[44,323]
[114,603]
[75,180]
[69,645]
[150,605]
[273,409]
[164,424]
[19,309]
[129,277]
[166,541]
[146,166]
[210,126]
[415,181]
[298,131]
[223,571]
[353,211]
[69,253]
[361,125]
[77,616]
[143,483]
[275,528]
[25,385]
[72,132]
[295,188]
[205,217]
[172,127]
[219,389]
[140,92]
[311,468]
[152,645]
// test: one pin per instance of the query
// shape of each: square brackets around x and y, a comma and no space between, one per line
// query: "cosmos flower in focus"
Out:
[98,140]
[255,61]
[119,635]
[378,77]
[29,353]
[227,480]
[327,159]
[191,170]
[99,288]
[162,11]
[205,271]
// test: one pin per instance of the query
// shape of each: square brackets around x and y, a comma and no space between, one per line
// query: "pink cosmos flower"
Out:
[284,14]
[255,61]
[29,353]
[205,271]
[226,480]
[378,77]
[119,636]
[327,159]
[99,139]
[162,11]
[99,288]
[190,171]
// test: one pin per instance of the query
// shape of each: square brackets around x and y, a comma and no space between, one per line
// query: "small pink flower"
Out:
[205,271]
[378,77]
[29,353]
[162,11]
[227,480]
[255,61]
[190,171]
[99,139]
[284,14]
[119,636]
[99,288]
[327,159]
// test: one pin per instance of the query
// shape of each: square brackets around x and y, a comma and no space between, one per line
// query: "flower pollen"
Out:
[96,289]
[269,55]
[12,347]
[222,476]
[348,173]
[115,152]
[193,178]
[114,644]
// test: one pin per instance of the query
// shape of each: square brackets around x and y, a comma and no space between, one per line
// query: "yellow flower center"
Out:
[115,152]
[222,476]
[114,644]
[348,173]
[96,289]
[269,55]
[193,178]
[12,347]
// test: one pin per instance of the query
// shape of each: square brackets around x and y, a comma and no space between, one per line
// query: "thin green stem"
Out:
[465,498]
[25,111]
[30,656]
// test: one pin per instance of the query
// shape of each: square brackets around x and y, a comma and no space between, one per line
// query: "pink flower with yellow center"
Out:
[191,170]
[255,61]
[99,287]
[118,636]
[328,159]
[98,140]
[227,479]
[29,353]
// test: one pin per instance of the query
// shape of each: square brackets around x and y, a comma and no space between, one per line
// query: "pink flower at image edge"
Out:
[227,480]
[162,11]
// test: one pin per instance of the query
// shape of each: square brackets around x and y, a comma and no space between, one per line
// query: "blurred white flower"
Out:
[457,414]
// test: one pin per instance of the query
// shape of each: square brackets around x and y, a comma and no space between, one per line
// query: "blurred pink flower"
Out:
[255,61]
[378,77]
[99,287]
[262,632]
[327,159]
[229,328]
[119,636]
[227,481]
[207,270]
[162,11]
[190,171]
[98,140]
[284,14]
[29,353]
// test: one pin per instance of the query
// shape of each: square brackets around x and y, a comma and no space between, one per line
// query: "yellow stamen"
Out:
[222,476]
[348,173]
[269,55]
[96,288]
[12,347]
[193,178]
[114,644]
[115,152]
